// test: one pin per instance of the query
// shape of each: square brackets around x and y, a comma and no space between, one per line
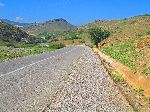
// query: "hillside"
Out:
[123,29]
[10,33]
[55,25]
[129,42]
[14,23]
[16,43]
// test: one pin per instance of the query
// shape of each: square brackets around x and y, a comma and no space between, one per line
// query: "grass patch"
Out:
[8,53]
[146,72]
[117,77]
[56,46]
[71,36]
[143,33]
[139,91]
[125,52]
[147,100]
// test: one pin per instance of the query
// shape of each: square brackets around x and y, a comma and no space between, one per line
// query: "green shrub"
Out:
[98,35]
[139,91]
[143,33]
[117,77]
[8,53]
[147,100]
[25,45]
[12,44]
[56,46]
[71,36]
[54,40]
[90,45]
[146,71]
[82,41]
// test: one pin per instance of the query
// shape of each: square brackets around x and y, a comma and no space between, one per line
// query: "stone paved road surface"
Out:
[69,80]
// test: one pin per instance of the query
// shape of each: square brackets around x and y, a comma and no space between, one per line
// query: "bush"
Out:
[117,77]
[14,45]
[24,45]
[147,100]
[98,35]
[90,45]
[82,41]
[56,46]
[54,40]
[71,36]
[139,91]
[146,72]
[143,33]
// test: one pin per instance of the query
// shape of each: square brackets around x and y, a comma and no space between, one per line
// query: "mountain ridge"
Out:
[11,33]
[14,23]
[55,25]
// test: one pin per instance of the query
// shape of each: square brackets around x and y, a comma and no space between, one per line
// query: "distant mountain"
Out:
[14,23]
[54,25]
[11,33]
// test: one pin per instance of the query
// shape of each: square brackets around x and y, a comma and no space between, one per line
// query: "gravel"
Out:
[88,89]
[68,80]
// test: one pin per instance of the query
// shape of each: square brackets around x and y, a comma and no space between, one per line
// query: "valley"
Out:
[35,57]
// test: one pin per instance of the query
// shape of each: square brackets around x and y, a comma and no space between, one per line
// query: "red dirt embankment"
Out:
[135,80]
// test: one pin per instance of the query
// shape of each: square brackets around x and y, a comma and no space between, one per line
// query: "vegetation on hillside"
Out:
[134,52]
[128,41]
[16,43]
[71,35]
[123,51]
[10,34]
[122,29]
[98,35]
[56,25]
[8,53]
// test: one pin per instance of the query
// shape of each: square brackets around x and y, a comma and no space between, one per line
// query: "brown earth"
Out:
[143,47]
[132,81]
[135,80]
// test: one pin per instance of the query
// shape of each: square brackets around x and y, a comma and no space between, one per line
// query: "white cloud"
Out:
[18,19]
[2,5]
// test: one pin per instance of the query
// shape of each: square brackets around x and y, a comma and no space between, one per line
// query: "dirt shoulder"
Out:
[134,82]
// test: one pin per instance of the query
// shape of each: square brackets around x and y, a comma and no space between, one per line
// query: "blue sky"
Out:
[78,12]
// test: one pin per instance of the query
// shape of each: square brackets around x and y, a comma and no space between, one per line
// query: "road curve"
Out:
[43,83]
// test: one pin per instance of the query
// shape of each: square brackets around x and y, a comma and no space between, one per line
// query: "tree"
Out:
[98,35]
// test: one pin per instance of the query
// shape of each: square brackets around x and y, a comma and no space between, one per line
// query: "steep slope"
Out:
[55,25]
[123,29]
[11,33]
[128,43]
